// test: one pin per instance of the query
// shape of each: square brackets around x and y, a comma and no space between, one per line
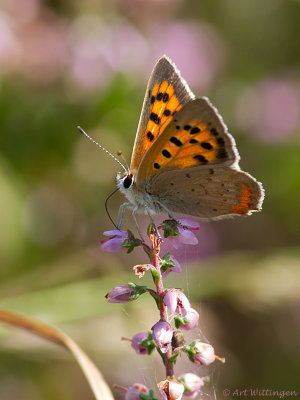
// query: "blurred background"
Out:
[65,63]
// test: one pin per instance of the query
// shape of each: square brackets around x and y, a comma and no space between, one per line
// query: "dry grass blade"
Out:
[93,375]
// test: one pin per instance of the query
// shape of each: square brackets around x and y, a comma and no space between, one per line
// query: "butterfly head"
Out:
[125,182]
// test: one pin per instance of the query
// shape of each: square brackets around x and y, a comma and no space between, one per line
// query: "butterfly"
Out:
[184,161]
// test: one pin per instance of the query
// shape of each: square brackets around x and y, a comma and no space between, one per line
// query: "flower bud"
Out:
[177,302]
[162,335]
[135,342]
[170,389]
[125,293]
[134,392]
[192,318]
[204,353]
[114,243]
[192,384]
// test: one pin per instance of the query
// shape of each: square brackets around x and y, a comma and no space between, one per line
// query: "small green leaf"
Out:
[178,320]
[150,229]
[131,242]
[148,252]
[173,358]
[166,262]
[155,275]
[169,227]
[154,295]
[163,356]
[148,343]
[190,351]
[138,290]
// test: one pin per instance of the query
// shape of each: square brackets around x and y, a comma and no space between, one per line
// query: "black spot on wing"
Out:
[200,158]
[206,145]
[150,136]
[165,97]
[221,141]
[155,118]
[222,154]
[156,165]
[195,130]
[176,141]
[167,112]
[166,153]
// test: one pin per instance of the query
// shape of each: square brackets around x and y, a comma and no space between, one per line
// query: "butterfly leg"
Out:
[170,215]
[121,213]
[135,210]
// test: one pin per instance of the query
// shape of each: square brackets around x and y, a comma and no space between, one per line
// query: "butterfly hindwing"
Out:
[208,192]
[195,137]
[166,93]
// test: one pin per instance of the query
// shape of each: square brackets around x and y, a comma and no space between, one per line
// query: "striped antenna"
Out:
[102,148]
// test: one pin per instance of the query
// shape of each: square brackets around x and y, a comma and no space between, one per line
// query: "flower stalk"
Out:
[175,311]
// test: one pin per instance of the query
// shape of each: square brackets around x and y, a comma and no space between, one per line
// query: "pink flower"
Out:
[136,340]
[204,353]
[177,302]
[114,243]
[121,294]
[186,236]
[170,389]
[134,392]
[192,383]
[192,318]
[162,335]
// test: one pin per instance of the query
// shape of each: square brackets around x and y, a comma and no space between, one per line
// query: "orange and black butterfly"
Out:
[184,161]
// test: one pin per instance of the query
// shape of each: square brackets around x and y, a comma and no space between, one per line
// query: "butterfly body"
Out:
[184,160]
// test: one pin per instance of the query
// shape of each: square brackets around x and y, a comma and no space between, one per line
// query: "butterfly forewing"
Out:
[208,192]
[166,93]
[196,136]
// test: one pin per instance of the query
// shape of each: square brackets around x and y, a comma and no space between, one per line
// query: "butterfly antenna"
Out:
[102,148]
[106,208]
[120,154]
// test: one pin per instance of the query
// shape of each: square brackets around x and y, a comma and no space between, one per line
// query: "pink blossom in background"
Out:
[126,49]
[99,50]
[21,11]
[9,45]
[196,48]
[88,65]
[43,49]
[270,110]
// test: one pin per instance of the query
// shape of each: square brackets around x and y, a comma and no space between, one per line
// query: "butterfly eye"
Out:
[128,181]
